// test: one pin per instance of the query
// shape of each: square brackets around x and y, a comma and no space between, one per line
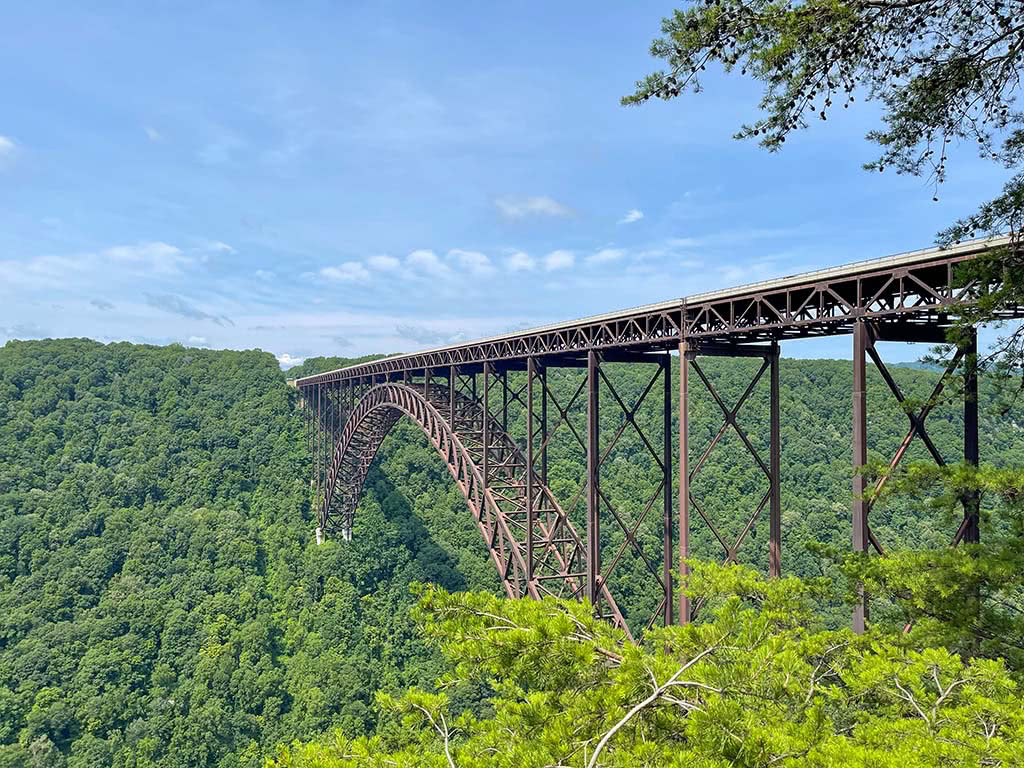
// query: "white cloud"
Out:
[605,255]
[477,263]
[152,133]
[559,260]
[348,271]
[519,262]
[384,263]
[532,206]
[264,274]
[427,261]
[286,361]
[6,146]
[159,256]
[633,214]
[197,340]
[146,260]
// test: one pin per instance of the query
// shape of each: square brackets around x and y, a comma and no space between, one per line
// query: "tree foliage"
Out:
[162,601]
[759,682]
[944,71]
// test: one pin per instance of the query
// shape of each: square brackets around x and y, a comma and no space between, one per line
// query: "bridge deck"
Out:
[910,294]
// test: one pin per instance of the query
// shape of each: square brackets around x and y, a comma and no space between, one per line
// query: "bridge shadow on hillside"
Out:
[430,562]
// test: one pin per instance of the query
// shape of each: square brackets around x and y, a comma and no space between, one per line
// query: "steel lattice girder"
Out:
[908,292]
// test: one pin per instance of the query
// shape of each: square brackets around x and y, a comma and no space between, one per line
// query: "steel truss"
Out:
[489,408]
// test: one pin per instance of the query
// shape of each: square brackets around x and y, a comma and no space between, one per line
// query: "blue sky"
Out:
[344,178]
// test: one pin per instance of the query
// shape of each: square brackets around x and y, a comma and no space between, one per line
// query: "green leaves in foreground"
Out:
[759,682]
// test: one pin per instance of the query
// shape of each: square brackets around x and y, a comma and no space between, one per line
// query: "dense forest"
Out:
[162,601]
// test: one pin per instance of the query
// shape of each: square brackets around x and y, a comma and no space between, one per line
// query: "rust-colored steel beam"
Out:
[531,372]
[667,501]
[910,290]
[860,459]
[684,478]
[775,463]
[593,481]
[971,501]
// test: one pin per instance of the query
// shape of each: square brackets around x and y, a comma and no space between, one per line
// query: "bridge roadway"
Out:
[460,396]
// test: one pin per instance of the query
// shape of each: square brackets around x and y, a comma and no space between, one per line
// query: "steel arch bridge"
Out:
[544,543]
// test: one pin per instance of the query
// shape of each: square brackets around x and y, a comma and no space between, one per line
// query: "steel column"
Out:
[775,465]
[319,439]
[593,482]
[684,479]
[530,370]
[504,401]
[860,459]
[668,505]
[487,421]
[972,531]
[544,425]
[452,382]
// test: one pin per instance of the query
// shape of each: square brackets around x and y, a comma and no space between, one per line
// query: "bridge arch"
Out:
[552,563]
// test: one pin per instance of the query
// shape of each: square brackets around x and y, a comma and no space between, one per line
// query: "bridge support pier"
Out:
[972,505]
[772,499]
[865,334]
[685,355]
[593,482]
[860,459]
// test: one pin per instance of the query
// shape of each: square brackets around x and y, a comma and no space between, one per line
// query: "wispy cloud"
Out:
[421,334]
[532,206]
[632,215]
[7,147]
[175,305]
[102,304]
[347,272]
[605,255]
[218,247]
[519,262]
[152,133]
[478,264]
[158,256]
[24,331]
[737,236]
[559,259]
[264,274]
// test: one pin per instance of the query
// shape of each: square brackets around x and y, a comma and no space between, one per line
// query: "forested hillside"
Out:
[162,602]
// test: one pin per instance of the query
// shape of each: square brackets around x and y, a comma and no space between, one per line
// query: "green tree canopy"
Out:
[944,71]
